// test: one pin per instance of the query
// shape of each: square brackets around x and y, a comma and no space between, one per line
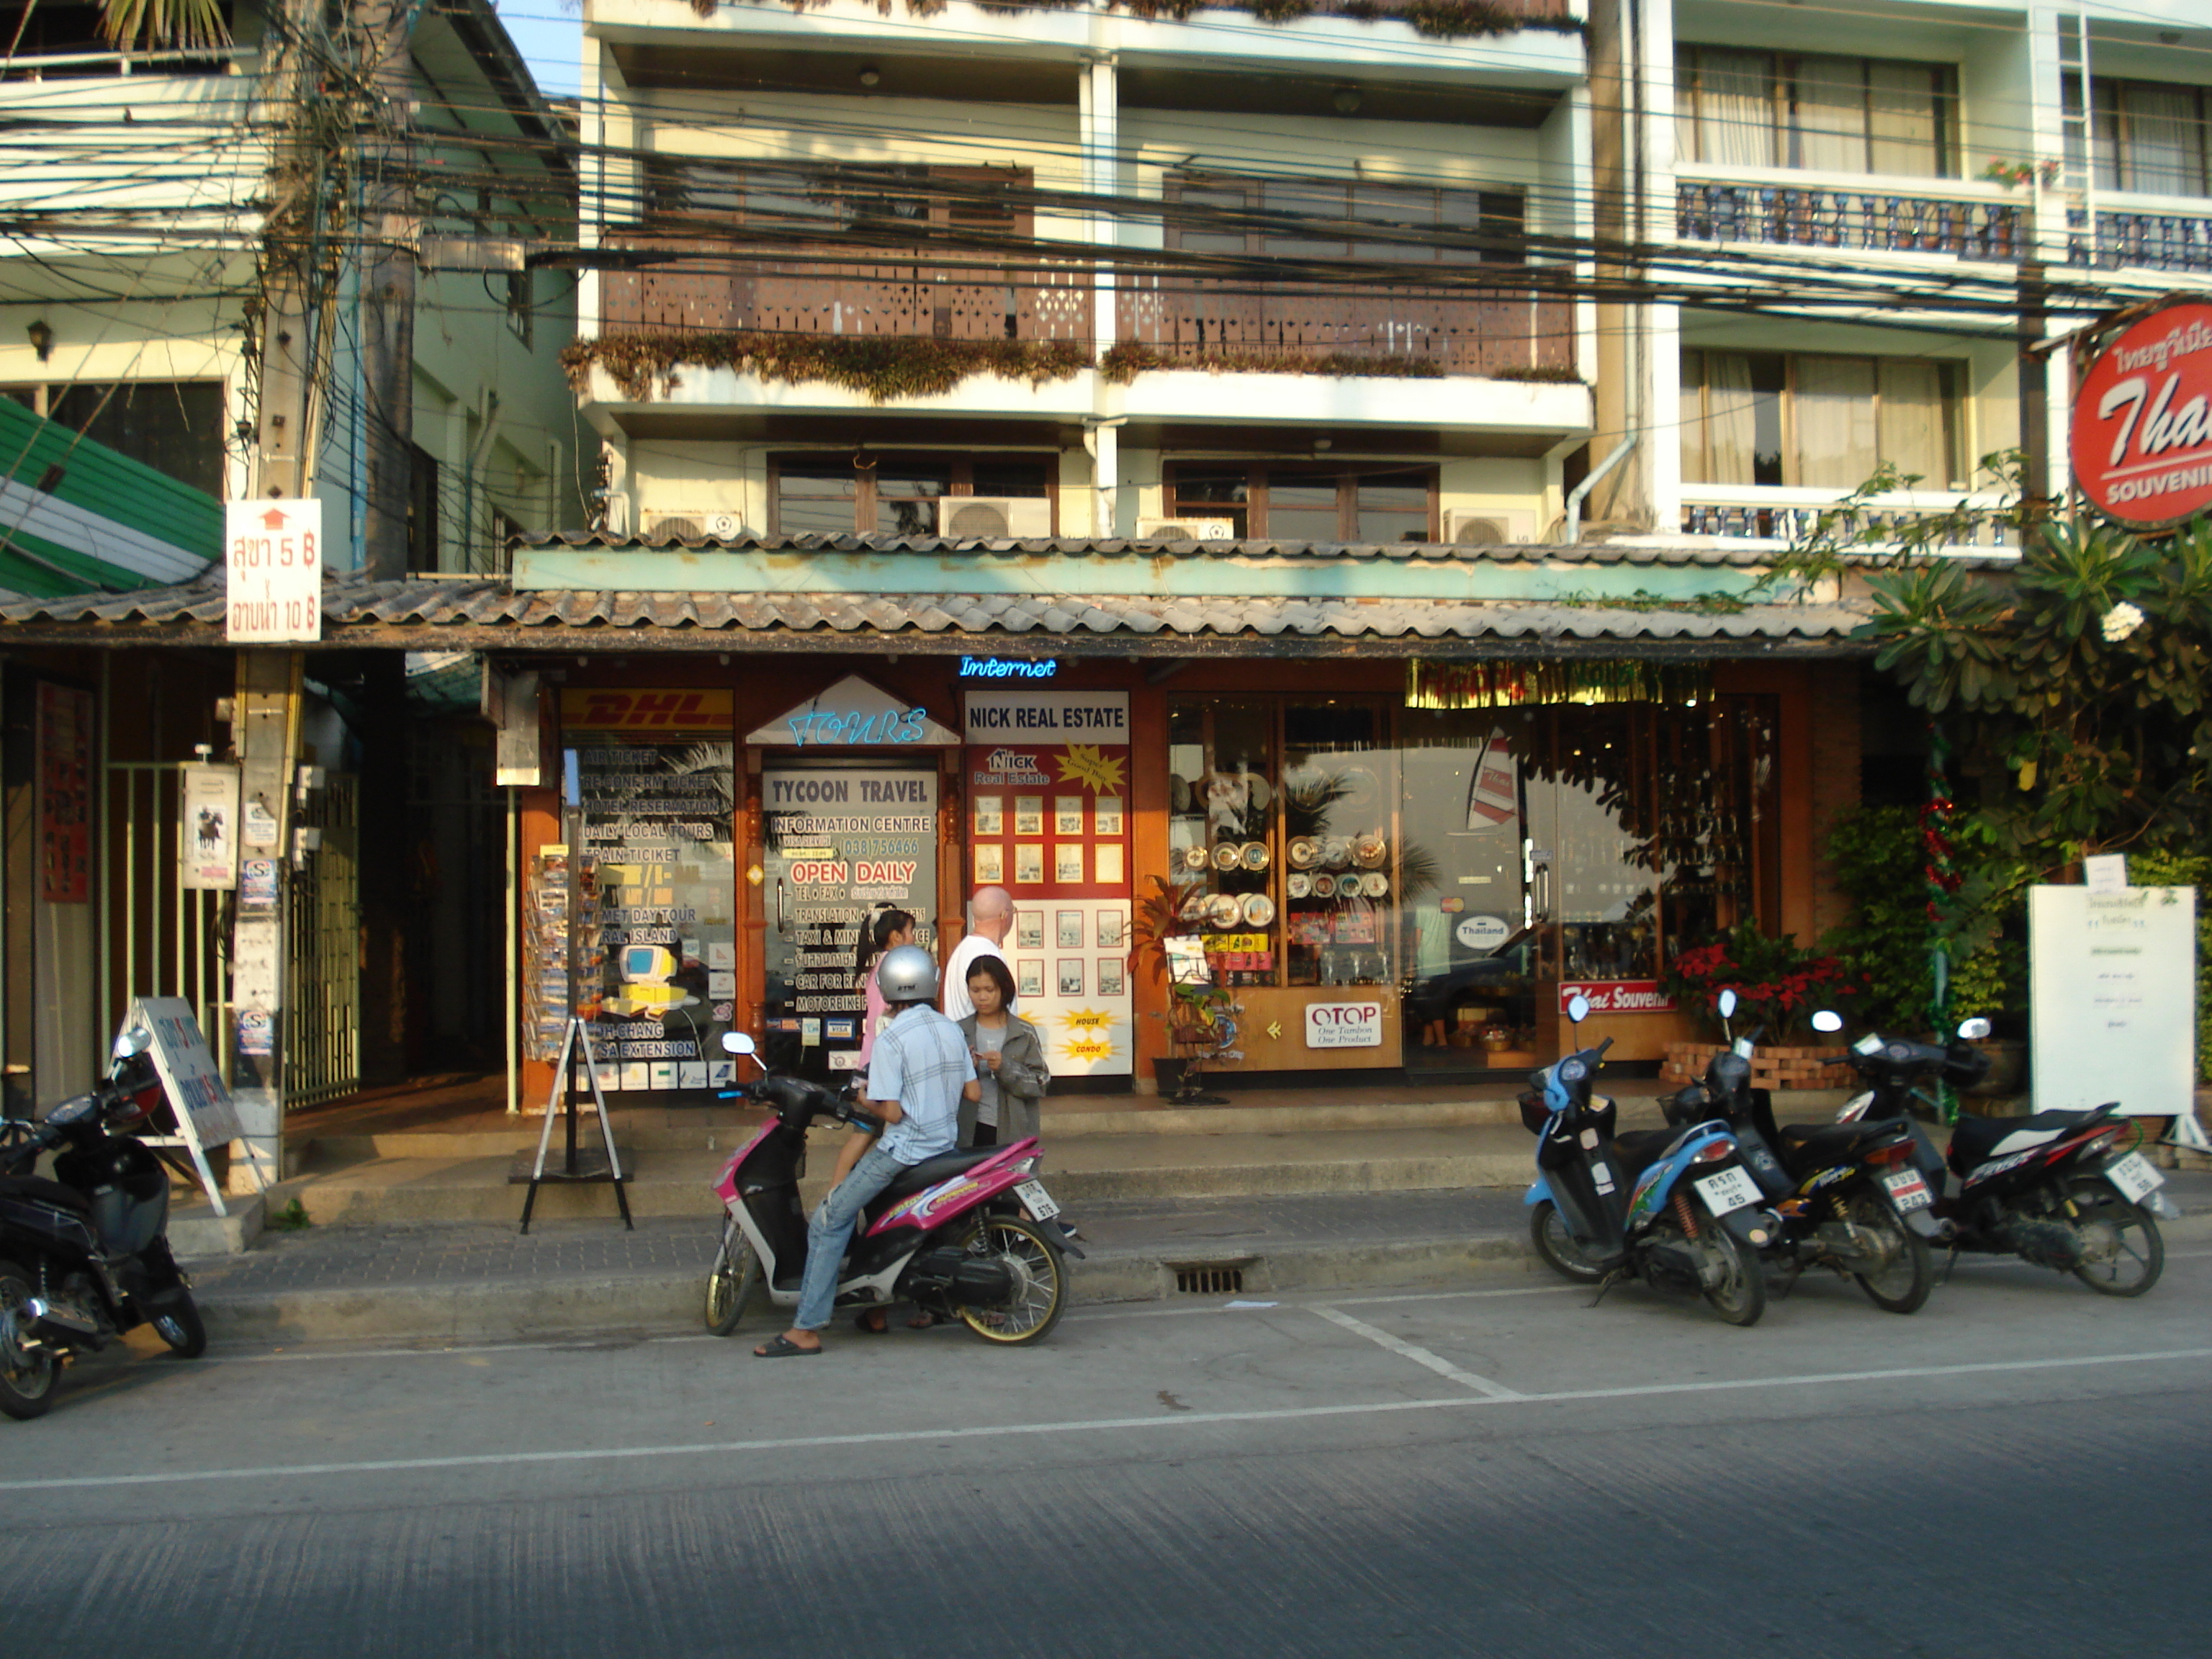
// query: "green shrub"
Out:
[2187,870]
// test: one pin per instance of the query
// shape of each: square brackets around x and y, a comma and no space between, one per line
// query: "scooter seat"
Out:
[930,1170]
[40,1189]
[1976,1139]
[1639,1149]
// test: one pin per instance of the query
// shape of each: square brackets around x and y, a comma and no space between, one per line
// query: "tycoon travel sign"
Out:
[2142,421]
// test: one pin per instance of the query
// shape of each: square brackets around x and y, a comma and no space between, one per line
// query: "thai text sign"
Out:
[1343,1026]
[2113,997]
[2142,421]
[274,566]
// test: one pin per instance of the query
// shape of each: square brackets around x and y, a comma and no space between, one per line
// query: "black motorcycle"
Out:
[1847,1195]
[85,1256]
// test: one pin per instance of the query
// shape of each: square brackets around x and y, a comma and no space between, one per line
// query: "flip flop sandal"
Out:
[780,1346]
[874,1321]
[923,1322]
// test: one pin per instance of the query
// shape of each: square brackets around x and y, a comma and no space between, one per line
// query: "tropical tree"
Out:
[163,25]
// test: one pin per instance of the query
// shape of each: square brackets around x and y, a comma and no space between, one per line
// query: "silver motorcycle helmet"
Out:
[906,974]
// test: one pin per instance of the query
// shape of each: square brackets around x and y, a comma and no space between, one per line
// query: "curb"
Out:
[667,1302]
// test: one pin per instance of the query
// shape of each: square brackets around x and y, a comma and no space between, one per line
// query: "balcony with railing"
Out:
[2150,237]
[1783,516]
[1943,218]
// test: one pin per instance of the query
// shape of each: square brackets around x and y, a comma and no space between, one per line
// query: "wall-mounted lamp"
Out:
[42,339]
[872,76]
[1346,100]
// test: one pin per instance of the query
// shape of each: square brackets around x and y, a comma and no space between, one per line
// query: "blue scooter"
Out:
[1691,1218]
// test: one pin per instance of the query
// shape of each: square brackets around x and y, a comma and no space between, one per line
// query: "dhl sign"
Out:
[643,712]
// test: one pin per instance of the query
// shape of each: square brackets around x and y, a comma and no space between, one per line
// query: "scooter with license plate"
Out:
[960,1235]
[1673,1208]
[2056,1189]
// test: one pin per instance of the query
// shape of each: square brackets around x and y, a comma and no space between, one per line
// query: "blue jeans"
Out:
[832,1229]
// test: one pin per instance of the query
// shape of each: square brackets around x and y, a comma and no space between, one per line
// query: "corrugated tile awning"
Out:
[486,613]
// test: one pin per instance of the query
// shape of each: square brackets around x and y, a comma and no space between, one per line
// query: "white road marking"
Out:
[1171,1420]
[1418,1355]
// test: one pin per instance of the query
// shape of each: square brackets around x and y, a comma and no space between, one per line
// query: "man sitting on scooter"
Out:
[919,1073]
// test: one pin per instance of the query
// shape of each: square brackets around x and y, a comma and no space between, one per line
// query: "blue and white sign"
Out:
[854,714]
[1481,934]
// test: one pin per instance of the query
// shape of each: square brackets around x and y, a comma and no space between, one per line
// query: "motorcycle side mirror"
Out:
[1827,1019]
[130,1044]
[1578,1008]
[1728,1003]
[736,1042]
[1973,1030]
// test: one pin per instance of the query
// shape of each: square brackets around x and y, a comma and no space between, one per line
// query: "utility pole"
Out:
[389,229]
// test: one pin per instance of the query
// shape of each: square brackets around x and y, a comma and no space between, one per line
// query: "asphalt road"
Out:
[2022,1469]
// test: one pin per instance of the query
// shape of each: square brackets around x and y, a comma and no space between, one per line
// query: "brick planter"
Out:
[1771,1068]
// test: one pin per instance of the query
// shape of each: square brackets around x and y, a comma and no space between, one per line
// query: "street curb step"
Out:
[667,1302]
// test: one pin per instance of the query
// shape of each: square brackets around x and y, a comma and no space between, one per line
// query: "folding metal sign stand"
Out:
[578,1164]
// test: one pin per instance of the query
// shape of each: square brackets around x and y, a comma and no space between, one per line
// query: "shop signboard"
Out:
[1047,775]
[2142,421]
[2113,997]
[854,714]
[1343,1026]
[1617,996]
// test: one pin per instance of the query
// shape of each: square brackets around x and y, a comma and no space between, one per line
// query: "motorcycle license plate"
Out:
[1037,1201]
[2135,1177]
[1731,1189]
[1907,1190]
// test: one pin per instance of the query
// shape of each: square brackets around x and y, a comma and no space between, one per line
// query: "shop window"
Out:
[2152,138]
[1823,423]
[872,493]
[1831,114]
[1295,503]
[1327,219]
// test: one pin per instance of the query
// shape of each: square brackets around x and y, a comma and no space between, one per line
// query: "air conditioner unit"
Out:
[994,516]
[1488,527]
[688,524]
[1186,529]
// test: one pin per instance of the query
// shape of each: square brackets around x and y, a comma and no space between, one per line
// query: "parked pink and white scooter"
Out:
[956,1235]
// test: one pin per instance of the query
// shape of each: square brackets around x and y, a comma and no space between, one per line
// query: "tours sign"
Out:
[2142,421]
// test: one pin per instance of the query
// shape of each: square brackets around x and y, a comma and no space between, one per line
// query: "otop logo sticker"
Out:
[643,712]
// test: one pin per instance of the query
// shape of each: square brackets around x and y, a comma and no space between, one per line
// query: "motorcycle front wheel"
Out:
[732,1278]
[1039,1280]
[2123,1251]
[27,1374]
[1903,1284]
[1547,1231]
[175,1318]
[1740,1295]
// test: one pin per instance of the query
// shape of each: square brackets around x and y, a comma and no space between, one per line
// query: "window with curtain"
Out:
[1292,502]
[892,494]
[1817,422]
[1341,219]
[2148,137]
[1823,113]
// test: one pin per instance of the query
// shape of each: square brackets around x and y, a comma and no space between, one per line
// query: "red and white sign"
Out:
[1343,1026]
[273,566]
[1617,996]
[2142,421]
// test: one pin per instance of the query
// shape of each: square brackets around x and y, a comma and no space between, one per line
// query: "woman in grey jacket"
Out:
[1010,1062]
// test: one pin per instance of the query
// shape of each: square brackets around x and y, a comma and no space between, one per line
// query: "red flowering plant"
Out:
[1778,984]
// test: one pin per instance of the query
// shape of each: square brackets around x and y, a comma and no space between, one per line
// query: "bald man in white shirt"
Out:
[991,913]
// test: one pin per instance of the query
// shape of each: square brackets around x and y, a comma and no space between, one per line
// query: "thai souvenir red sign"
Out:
[2142,421]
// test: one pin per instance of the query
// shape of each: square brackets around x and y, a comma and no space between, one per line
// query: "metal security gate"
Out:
[322,950]
[161,941]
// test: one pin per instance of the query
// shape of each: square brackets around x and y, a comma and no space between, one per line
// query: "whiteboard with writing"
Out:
[2113,997]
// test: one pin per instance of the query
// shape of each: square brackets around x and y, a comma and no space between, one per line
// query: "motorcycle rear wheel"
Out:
[1903,1285]
[1741,1297]
[2124,1252]
[1547,1231]
[175,1318]
[732,1280]
[27,1379]
[1041,1292]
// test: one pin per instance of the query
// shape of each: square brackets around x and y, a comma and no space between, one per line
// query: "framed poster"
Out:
[1068,930]
[990,814]
[1111,925]
[1068,863]
[1106,867]
[1070,976]
[1028,930]
[1110,982]
[990,863]
[1067,815]
[1028,864]
[1106,819]
[1029,977]
[1028,815]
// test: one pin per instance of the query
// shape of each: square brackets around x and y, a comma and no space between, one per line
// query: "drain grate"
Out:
[1209,1281]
